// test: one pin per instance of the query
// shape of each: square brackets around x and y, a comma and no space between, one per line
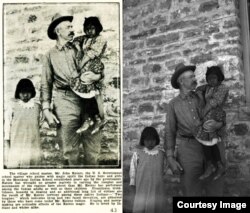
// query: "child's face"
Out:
[150,143]
[91,31]
[25,96]
[212,80]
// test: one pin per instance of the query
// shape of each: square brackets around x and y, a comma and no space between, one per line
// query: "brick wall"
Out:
[26,41]
[157,36]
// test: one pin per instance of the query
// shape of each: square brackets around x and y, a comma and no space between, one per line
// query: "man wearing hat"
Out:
[183,118]
[58,68]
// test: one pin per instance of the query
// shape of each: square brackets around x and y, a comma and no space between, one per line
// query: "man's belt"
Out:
[188,136]
[63,88]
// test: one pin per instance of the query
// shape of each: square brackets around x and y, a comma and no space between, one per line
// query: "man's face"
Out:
[187,80]
[65,30]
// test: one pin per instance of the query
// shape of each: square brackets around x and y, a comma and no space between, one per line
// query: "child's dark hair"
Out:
[216,70]
[93,20]
[25,85]
[149,133]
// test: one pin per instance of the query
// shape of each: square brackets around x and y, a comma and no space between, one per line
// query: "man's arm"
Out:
[46,83]
[90,77]
[170,140]
[212,125]
[171,129]
[46,91]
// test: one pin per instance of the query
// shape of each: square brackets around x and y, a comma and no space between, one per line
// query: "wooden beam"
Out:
[245,36]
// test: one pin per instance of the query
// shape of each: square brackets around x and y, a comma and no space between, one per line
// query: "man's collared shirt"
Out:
[183,118]
[59,66]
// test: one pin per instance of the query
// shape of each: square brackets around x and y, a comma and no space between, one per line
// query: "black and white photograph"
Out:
[61,83]
[133,106]
[186,101]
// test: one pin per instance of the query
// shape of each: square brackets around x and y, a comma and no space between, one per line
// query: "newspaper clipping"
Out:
[61,106]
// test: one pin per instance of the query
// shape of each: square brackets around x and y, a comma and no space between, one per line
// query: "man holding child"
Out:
[59,66]
[183,120]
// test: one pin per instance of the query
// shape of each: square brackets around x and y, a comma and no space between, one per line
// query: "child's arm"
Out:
[7,123]
[84,61]
[7,132]
[200,93]
[201,98]
[96,49]
[79,54]
[78,41]
[219,97]
[216,99]
[208,95]
[133,168]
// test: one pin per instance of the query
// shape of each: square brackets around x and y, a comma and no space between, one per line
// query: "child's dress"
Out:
[93,48]
[217,103]
[146,173]
[22,129]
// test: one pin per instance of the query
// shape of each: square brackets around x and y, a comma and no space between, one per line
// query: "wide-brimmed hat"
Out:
[57,19]
[179,69]
[216,70]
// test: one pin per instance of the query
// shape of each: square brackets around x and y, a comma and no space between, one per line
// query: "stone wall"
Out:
[157,36]
[26,41]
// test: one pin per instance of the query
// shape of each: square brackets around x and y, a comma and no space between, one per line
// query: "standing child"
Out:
[146,174]
[22,128]
[91,48]
[214,95]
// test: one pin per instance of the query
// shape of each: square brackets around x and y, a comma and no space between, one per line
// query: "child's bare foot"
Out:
[99,124]
[220,171]
[86,125]
[209,170]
